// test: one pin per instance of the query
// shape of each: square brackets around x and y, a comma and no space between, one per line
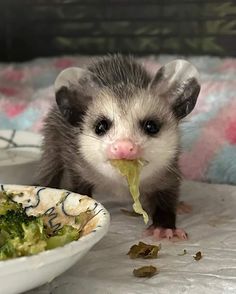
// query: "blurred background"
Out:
[40,38]
[30,29]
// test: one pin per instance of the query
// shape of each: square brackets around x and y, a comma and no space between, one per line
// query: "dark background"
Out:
[36,28]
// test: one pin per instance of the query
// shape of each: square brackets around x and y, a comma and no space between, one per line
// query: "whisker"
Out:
[90,136]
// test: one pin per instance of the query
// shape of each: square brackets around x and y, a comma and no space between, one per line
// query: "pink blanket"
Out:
[208,135]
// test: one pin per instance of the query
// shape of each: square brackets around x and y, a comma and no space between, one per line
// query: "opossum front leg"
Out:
[73,181]
[164,217]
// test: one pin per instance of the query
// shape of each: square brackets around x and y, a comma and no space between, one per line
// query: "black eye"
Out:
[151,127]
[102,127]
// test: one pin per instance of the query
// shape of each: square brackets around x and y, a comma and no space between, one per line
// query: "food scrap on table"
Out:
[142,250]
[145,271]
[198,256]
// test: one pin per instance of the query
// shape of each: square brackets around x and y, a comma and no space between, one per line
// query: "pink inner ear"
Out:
[123,149]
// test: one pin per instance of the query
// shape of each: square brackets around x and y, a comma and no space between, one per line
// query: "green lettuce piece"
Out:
[131,170]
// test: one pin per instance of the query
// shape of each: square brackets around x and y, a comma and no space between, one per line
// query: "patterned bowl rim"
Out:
[57,254]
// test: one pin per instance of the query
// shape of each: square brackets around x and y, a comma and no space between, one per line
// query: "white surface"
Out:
[19,155]
[25,273]
[106,269]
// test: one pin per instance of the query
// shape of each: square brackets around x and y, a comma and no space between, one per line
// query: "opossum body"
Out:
[115,109]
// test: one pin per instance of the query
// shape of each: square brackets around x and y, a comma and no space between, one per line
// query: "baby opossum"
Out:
[115,109]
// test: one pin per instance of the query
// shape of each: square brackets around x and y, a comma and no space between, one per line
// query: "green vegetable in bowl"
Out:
[20,234]
[6,206]
[23,235]
[65,235]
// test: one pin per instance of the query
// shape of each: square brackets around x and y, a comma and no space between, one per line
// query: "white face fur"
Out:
[157,150]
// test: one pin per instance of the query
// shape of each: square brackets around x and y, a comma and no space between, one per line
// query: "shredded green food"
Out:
[23,235]
[131,170]
[142,250]
[145,271]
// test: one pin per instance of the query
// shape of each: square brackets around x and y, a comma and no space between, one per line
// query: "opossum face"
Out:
[123,121]
[137,127]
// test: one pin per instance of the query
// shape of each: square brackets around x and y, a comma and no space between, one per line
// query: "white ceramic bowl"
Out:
[19,156]
[25,273]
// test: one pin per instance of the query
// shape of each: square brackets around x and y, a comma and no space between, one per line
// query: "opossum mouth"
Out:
[144,161]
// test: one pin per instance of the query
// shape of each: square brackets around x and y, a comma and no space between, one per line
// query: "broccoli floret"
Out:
[12,222]
[20,234]
[7,204]
[65,235]
[34,240]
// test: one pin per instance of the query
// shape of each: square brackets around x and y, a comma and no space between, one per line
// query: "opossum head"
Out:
[124,113]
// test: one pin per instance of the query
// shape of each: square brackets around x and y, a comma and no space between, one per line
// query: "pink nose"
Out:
[123,149]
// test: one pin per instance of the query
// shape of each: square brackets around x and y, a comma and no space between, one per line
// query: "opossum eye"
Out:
[150,127]
[102,126]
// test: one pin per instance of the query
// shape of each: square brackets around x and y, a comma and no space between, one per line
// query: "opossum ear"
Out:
[178,82]
[74,88]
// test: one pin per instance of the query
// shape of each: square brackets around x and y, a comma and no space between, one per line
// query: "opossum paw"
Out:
[183,207]
[161,233]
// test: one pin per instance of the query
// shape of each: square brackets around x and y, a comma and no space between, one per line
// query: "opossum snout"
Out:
[123,149]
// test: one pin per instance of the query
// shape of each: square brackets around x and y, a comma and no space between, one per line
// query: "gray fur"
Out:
[120,74]
[60,152]
[64,166]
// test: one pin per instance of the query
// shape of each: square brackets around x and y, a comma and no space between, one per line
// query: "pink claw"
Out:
[169,233]
[160,233]
[181,234]
[157,233]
